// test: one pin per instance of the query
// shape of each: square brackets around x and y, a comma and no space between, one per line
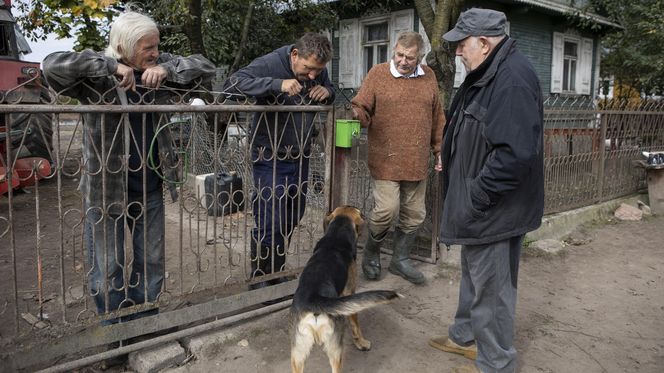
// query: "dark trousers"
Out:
[487,303]
[278,205]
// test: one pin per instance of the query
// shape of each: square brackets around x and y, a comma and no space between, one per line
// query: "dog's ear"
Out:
[328,219]
[359,221]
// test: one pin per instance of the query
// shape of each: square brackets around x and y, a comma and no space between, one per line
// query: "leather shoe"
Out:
[444,343]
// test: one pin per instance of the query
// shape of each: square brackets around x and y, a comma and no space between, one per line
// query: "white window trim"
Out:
[577,59]
[351,52]
[584,67]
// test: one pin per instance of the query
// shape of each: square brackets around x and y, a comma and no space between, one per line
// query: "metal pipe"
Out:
[181,108]
[66,367]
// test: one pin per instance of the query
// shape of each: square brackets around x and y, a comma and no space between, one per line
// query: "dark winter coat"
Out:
[492,153]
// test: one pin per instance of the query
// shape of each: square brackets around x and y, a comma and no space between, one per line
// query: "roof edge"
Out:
[566,9]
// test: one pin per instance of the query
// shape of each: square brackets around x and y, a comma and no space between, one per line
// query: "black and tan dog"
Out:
[326,293]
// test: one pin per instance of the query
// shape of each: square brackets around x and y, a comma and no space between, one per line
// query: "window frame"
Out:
[570,63]
[585,63]
[374,44]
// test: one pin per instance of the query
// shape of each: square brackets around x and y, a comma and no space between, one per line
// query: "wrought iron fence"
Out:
[591,146]
[589,152]
[51,276]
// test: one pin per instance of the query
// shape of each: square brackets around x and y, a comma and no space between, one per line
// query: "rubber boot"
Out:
[400,263]
[371,258]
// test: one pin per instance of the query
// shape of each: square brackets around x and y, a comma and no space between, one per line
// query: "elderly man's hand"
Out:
[291,87]
[319,93]
[153,76]
[126,76]
[439,164]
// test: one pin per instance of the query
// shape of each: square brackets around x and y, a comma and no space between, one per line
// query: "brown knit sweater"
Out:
[405,120]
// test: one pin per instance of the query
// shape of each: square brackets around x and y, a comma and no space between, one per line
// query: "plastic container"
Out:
[346,129]
[230,198]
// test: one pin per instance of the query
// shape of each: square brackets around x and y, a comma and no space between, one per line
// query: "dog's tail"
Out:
[351,304]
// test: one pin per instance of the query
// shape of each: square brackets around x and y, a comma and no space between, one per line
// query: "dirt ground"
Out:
[598,307]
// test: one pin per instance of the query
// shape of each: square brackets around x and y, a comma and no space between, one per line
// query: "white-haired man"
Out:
[492,186]
[118,191]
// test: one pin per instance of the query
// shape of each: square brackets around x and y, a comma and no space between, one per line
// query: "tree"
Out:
[436,21]
[87,19]
[634,56]
[208,27]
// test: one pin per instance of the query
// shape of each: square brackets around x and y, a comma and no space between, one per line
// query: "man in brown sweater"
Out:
[400,105]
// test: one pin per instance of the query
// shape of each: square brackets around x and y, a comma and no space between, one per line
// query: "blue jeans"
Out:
[278,206]
[111,286]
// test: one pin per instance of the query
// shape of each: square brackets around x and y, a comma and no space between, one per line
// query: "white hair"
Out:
[126,31]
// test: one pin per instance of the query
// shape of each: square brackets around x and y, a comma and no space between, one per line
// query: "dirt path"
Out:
[597,308]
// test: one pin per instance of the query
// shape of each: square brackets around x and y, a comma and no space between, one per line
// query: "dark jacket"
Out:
[262,79]
[492,153]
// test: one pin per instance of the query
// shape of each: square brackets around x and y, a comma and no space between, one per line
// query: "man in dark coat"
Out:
[493,186]
[281,141]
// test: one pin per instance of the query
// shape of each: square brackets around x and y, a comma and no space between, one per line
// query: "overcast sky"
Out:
[42,48]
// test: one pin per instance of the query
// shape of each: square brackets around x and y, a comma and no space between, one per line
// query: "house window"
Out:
[366,42]
[375,42]
[569,65]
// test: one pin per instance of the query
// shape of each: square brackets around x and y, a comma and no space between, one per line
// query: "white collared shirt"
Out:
[393,69]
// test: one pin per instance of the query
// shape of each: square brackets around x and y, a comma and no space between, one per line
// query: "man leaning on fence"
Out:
[281,146]
[400,105]
[121,189]
[493,186]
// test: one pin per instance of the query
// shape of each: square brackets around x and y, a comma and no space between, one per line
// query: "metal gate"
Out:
[46,308]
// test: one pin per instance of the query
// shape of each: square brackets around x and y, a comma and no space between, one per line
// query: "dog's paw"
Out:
[362,344]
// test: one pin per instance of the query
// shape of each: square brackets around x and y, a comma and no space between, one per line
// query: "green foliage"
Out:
[87,20]
[274,23]
[634,56]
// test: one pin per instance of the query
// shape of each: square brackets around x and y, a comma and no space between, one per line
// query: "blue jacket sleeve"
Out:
[253,80]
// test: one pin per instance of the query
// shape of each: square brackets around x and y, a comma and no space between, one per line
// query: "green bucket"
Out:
[346,129]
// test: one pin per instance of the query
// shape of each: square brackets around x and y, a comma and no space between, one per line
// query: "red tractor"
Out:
[25,138]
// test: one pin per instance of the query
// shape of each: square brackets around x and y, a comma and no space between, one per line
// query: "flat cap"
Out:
[477,22]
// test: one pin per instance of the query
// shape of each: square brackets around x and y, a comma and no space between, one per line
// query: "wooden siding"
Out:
[533,33]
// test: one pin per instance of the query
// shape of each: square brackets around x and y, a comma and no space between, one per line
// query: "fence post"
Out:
[340,182]
[329,159]
[602,156]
